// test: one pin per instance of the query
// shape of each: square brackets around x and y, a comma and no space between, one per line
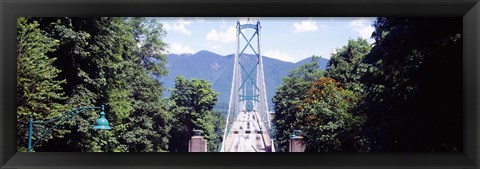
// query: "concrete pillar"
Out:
[197,143]
[295,144]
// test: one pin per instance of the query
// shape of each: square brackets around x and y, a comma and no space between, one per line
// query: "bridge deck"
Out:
[248,134]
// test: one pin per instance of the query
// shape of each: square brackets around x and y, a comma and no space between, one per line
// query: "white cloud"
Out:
[363,27]
[278,55]
[200,19]
[178,48]
[224,36]
[183,21]
[224,24]
[306,26]
[179,26]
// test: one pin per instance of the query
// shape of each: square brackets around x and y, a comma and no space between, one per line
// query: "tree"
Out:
[39,88]
[338,111]
[150,115]
[104,61]
[192,105]
[413,84]
[327,119]
[288,96]
[147,34]
[346,67]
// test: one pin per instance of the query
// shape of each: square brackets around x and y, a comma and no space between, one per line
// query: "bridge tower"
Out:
[248,91]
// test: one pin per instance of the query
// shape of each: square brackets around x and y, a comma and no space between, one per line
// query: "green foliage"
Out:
[346,67]
[326,118]
[403,94]
[108,61]
[414,85]
[39,90]
[148,33]
[192,104]
[329,115]
[288,96]
[150,121]
[102,72]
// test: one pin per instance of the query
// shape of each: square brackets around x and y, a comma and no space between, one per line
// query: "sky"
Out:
[287,39]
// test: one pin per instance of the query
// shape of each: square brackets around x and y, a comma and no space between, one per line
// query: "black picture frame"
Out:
[468,9]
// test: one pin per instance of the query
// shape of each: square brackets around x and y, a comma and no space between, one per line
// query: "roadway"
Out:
[247,134]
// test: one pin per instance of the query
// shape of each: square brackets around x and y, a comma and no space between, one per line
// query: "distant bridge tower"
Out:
[248,83]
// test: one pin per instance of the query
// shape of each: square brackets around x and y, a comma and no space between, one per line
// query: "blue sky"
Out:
[287,39]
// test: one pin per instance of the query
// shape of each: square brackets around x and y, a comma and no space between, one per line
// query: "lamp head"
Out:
[296,133]
[102,123]
[197,132]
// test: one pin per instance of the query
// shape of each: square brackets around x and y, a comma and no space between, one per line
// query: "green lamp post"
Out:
[101,123]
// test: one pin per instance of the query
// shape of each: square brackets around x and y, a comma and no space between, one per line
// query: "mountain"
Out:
[218,70]
[321,61]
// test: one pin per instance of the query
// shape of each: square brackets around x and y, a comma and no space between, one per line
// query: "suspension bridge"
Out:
[248,127]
